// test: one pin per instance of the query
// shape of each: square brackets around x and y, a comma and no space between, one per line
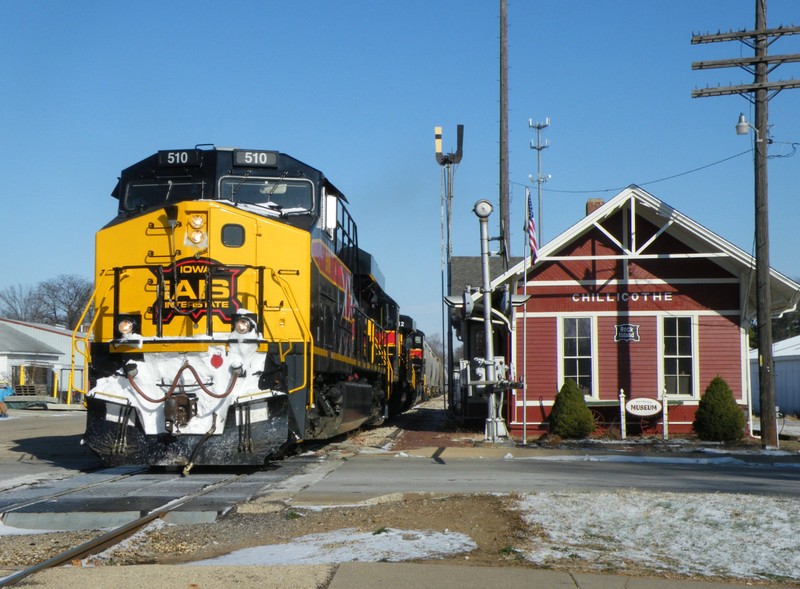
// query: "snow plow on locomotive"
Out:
[235,315]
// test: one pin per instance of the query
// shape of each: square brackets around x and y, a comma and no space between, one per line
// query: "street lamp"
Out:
[743,128]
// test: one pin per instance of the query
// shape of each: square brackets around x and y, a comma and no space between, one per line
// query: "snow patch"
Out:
[350,545]
[725,535]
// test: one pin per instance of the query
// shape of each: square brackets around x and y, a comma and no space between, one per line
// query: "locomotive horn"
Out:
[172,215]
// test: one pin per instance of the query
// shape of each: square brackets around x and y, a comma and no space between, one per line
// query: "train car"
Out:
[234,314]
[409,339]
[421,372]
[432,371]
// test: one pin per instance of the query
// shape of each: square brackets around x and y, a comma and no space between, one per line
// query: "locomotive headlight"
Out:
[197,221]
[244,325]
[126,327]
[197,236]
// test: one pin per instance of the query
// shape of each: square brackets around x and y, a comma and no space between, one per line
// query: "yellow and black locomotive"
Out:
[236,315]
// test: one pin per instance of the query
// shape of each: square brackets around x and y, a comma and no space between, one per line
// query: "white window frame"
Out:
[594,392]
[662,379]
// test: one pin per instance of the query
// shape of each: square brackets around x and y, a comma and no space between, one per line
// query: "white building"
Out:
[37,357]
[786,362]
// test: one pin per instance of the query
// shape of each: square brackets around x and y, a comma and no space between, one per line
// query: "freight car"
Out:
[236,315]
[433,372]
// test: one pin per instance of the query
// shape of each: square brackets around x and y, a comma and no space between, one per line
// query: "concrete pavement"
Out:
[402,576]
[351,575]
[38,444]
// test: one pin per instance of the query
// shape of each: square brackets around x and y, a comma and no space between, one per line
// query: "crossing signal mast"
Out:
[447,161]
[759,94]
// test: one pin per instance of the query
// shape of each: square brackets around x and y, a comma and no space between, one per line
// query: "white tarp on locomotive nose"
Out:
[214,368]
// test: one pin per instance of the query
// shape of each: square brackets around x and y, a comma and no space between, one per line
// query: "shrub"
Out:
[570,417]
[718,417]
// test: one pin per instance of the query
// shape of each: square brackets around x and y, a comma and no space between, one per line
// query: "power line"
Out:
[673,176]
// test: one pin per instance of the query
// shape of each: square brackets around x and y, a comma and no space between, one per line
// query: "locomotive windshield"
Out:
[147,193]
[287,196]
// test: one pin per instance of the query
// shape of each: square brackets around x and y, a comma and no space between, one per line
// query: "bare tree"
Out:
[58,301]
[18,302]
[435,342]
[61,300]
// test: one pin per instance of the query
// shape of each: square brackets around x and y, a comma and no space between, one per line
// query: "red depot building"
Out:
[634,298]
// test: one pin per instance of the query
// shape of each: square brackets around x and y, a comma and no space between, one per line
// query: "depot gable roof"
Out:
[700,242]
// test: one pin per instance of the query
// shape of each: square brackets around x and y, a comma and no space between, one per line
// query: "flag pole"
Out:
[525,322]
[533,244]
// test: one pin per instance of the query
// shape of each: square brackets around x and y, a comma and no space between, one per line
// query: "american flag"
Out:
[532,229]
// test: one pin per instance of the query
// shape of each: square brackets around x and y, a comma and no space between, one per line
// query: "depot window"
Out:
[577,356]
[678,355]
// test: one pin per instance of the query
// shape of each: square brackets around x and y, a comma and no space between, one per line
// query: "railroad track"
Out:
[116,535]
[127,499]
[125,502]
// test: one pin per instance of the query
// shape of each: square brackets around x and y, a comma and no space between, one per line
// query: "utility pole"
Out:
[758,93]
[540,179]
[505,215]
[447,161]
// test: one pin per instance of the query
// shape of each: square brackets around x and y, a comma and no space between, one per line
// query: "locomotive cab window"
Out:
[284,196]
[233,235]
[148,193]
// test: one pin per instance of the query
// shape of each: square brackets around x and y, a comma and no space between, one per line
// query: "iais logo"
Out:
[194,287]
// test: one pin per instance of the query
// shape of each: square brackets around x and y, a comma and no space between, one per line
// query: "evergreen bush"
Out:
[718,417]
[570,417]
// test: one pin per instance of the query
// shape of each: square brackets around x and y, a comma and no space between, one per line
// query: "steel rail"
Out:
[113,536]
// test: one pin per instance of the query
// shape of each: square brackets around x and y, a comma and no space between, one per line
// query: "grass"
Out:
[510,552]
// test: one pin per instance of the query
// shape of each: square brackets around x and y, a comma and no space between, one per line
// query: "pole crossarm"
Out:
[774,87]
[742,35]
[746,61]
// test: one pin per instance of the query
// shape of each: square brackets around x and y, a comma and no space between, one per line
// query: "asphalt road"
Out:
[40,444]
[365,477]
[45,444]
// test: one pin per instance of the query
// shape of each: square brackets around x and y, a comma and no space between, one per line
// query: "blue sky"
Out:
[356,87]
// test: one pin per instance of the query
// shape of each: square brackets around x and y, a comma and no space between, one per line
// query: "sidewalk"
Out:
[402,576]
[351,575]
